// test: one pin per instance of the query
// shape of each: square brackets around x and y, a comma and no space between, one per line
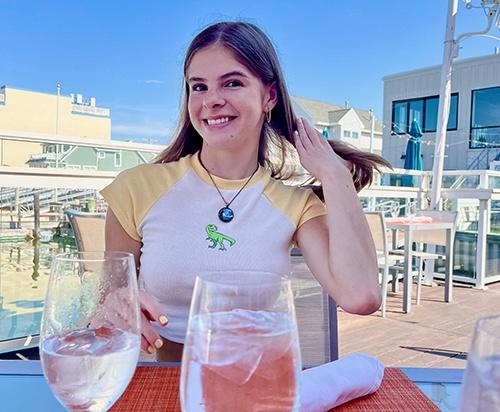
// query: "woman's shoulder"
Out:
[285,187]
[156,171]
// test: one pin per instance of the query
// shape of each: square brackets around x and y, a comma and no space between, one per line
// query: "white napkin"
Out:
[332,384]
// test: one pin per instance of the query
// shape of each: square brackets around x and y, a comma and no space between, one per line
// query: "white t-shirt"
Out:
[172,209]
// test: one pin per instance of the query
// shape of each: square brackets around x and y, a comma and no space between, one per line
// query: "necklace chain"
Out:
[217,187]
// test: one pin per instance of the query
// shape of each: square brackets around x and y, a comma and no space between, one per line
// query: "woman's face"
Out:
[227,102]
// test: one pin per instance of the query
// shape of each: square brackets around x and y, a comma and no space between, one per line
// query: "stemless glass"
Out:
[90,332]
[241,351]
[481,384]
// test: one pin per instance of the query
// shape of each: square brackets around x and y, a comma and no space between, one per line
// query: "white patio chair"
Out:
[386,261]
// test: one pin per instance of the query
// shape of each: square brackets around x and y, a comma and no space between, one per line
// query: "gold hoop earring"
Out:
[268,116]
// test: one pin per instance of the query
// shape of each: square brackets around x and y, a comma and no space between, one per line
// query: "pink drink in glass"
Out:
[249,363]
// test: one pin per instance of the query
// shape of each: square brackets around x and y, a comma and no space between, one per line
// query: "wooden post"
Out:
[36,211]
[18,208]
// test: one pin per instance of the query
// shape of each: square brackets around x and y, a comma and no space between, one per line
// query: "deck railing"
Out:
[475,194]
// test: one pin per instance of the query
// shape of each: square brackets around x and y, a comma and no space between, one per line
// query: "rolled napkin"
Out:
[329,385]
[408,220]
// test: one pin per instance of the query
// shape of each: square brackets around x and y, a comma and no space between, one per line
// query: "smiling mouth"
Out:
[219,121]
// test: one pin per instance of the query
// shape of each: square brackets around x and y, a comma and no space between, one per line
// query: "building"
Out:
[473,136]
[116,156]
[348,124]
[49,114]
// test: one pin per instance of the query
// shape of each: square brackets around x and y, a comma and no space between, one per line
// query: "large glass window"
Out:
[424,110]
[400,117]
[416,112]
[485,118]
[431,110]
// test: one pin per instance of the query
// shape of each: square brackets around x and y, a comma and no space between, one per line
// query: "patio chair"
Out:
[88,229]
[316,315]
[386,260]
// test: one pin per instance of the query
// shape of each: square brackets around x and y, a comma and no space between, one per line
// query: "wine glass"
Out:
[90,332]
[481,383]
[241,351]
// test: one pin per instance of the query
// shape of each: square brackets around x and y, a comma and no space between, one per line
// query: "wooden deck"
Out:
[433,334]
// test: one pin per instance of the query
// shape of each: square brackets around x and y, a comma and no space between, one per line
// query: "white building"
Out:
[473,136]
[343,123]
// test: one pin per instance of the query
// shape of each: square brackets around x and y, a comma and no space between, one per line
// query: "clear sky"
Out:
[128,54]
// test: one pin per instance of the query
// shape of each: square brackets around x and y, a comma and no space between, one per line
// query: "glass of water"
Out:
[481,384]
[90,332]
[241,351]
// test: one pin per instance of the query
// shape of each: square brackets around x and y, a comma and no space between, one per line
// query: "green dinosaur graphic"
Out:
[218,238]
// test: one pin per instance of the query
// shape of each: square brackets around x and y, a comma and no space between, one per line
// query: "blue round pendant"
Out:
[226,214]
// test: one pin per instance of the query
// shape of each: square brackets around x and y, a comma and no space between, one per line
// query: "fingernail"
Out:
[158,343]
[151,350]
[163,320]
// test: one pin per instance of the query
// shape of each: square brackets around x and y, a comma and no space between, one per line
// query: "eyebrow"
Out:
[224,76]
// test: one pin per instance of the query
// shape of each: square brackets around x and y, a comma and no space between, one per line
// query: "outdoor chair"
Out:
[88,229]
[316,315]
[386,260]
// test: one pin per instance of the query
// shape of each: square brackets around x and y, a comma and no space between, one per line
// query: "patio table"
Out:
[23,388]
[408,227]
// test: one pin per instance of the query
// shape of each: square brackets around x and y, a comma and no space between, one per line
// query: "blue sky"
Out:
[128,54]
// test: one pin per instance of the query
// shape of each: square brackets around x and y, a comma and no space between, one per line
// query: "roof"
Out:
[456,64]
[329,113]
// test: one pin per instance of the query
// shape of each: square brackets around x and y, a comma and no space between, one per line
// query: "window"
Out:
[424,110]
[416,112]
[118,159]
[101,155]
[347,133]
[400,117]
[485,118]
[355,135]
[89,167]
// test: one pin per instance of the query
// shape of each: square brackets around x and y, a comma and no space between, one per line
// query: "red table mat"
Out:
[156,388]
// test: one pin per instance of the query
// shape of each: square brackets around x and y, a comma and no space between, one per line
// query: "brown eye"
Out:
[234,83]
[199,87]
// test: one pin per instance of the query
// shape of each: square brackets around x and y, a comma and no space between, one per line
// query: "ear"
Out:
[272,96]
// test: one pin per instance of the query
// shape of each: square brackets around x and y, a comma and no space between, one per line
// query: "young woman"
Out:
[214,199]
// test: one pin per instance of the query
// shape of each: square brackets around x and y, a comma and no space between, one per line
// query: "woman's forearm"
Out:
[352,257]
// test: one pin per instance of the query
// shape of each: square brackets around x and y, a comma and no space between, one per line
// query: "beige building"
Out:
[349,124]
[48,114]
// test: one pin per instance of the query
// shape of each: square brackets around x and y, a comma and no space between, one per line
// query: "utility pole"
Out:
[444,104]
[451,47]
[57,123]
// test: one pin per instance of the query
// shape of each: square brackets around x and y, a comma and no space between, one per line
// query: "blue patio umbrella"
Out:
[413,157]
[326,133]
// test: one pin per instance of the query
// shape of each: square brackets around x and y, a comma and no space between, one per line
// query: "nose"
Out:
[213,99]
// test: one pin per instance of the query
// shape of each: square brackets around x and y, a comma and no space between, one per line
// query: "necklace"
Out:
[226,214]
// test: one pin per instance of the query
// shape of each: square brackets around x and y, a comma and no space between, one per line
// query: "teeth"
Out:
[220,120]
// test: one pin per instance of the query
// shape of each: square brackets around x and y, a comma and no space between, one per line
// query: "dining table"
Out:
[408,227]
[155,387]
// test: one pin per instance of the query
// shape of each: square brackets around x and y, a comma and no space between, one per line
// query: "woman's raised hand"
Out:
[316,154]
[150,312]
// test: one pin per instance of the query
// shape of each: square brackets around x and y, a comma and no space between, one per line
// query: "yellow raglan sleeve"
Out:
[121,195]
[134,191]
[312,207]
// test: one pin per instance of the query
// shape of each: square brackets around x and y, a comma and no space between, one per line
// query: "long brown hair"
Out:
[252,47]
